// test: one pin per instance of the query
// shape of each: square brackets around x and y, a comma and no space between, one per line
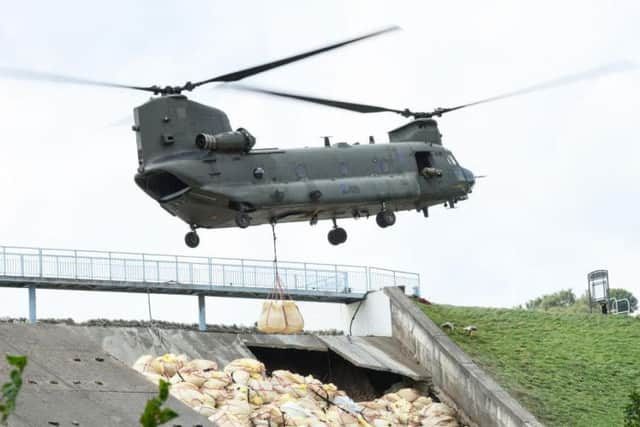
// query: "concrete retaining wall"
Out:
[373,317]
[459,381]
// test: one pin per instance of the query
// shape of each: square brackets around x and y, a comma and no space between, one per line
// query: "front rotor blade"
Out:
[568,79]
[238,75]
[351,106]
[22,74]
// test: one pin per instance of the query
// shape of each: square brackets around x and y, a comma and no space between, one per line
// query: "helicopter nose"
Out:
[469,177]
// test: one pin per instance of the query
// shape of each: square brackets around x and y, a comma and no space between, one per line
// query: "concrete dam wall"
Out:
[81,376]
[457,378]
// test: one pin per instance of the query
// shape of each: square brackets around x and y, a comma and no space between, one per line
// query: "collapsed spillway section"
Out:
[243,394]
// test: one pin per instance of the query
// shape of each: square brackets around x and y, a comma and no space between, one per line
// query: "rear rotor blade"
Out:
[365,108]
[594,73]
[351,106]
[22,74]
[238,75]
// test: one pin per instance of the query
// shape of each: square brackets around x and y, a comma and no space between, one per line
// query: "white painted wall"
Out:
[373,317]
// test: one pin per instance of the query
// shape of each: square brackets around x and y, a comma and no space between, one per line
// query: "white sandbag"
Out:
[347,403]
[343,418]
[391,397]
[375,405]
[272,319]
[401,418]
[440,421]
[264,389]
[223,418]
[293,409]
[188,393]
[408,394]
[193,376]
[293,318]
[250,365]
[323,391]
[219,395]
[166,365]
[201,364]
[216,380]
[285,377]
[438,409]
[422,402]
[268,415]
[238,408]
[206,410]
[176,379]
[240,377]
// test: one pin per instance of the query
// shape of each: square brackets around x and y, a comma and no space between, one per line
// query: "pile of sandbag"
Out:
[242,395]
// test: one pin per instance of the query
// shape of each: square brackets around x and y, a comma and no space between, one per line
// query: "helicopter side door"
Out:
[428,174]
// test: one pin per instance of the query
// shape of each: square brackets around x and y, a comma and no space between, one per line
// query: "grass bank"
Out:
[567,369]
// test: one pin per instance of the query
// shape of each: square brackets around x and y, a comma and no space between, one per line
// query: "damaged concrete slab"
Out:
[72,381]
[377,353]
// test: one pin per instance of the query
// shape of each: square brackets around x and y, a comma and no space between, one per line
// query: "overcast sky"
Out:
[560,200]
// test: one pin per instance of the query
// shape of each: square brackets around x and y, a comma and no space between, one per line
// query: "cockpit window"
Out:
[452,160]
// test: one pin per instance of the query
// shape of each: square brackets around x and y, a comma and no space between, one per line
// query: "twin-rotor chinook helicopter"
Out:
[197,168]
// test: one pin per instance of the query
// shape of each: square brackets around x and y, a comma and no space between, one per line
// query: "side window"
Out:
[344,169]
[301,171]
[383,166]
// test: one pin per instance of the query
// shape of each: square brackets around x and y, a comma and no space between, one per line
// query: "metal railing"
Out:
[195,271]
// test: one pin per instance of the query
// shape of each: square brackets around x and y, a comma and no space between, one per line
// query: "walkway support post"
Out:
[32,305]
[202,315]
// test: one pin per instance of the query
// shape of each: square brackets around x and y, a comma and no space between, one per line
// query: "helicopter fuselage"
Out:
[211,185]
[299,184]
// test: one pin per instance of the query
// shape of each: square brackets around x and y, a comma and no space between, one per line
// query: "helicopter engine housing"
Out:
[240,141]
[166,126]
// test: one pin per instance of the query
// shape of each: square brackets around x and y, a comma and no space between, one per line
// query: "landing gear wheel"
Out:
[385,219]
[243,220]
[337,236]
[192,239]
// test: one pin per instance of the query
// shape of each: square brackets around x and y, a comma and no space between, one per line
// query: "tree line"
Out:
[566,300]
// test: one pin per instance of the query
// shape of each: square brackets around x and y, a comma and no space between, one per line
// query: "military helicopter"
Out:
[197,168]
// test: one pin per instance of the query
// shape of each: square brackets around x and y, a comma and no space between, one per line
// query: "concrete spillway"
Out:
[80,376]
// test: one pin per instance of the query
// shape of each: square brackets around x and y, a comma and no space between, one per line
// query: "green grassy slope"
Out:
[567,369]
